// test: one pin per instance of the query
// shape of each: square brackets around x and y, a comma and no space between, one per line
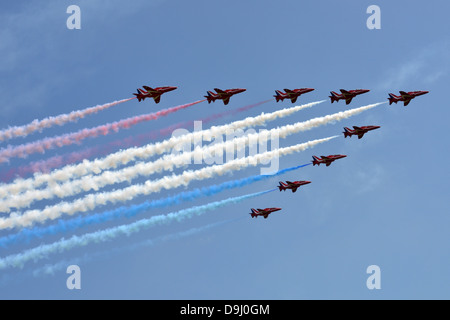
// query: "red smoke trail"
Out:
[38,125]
[46,166]
[24,150]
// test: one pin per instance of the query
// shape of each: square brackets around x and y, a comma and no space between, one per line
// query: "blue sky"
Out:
[385,204]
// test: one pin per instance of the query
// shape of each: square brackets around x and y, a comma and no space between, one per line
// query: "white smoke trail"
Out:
[168,162]
[42,251]
[38,125]
[92,201]
[24,150]
[139,153]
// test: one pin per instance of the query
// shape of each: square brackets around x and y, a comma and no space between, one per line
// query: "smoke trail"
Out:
[167,162]
[132,154]
[42,251]
[24,150]
[91,201]
[50,269]
[57,161]
[38,125]
[62,265]
[26,235]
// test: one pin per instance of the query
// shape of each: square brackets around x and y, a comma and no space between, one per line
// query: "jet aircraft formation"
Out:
[292,95]
[130,162]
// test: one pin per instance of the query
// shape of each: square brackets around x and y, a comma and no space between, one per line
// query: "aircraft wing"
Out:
[266,215]
[356,128]
[360,135]
[157,98]
[325,158]
[406,102]
[328,163]
[294,99]
[403,93]
[289,182]
[288,91]
[348,100]
[294,189]
[344,92]
[219,90]
[226,100]
[148,88]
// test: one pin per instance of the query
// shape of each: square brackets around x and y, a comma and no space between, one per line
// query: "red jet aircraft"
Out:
[222,95]
[291,94]
[292,185]
[263,212]
[406,97]
[327,160]
[152,93]
[359,131]
[346,95]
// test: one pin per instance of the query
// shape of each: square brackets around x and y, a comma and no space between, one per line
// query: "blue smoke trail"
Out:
[27,234]
[51,269]
[42,251]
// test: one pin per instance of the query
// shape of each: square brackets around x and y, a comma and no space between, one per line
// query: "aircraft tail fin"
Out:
[315,161]
[347,132]
[334,96]
[281,186]
[138,95]
[278,95]
[254,213]
[392,98]
[210,96]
